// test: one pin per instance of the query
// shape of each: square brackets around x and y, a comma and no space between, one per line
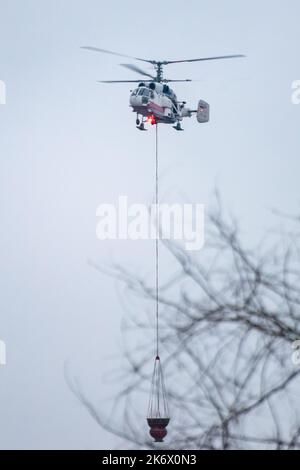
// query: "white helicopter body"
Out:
[157,103]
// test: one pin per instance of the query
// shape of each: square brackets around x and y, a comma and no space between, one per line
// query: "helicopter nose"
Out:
[138,100]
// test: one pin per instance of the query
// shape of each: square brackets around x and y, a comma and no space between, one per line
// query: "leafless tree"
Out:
[229,319]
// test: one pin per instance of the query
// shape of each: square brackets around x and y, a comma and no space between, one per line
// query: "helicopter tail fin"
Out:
[203,112]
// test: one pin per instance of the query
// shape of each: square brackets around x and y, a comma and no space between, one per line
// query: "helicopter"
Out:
[153,100]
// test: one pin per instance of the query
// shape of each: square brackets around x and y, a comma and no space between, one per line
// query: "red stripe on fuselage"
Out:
[155,107]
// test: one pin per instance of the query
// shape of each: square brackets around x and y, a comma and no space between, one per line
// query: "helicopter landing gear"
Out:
[178,127]
[140,123]
[141,127]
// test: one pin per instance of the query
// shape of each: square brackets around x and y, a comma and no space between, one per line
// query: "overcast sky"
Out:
[68,144]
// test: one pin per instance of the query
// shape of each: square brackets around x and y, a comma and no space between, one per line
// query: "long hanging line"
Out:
[158,414]
[157,239]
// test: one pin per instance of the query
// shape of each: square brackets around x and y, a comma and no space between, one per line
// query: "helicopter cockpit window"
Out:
[134,93]
[144,91]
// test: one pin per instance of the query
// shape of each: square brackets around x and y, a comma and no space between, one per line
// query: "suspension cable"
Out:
[156,240]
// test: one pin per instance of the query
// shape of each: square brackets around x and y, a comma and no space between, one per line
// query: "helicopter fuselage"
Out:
[158,102]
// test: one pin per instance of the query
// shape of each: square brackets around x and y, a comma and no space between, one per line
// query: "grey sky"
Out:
[67,144]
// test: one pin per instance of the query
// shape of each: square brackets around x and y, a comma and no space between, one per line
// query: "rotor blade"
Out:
[105,51]
[235,56]
[184,80]
[137,70]
[124,81]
